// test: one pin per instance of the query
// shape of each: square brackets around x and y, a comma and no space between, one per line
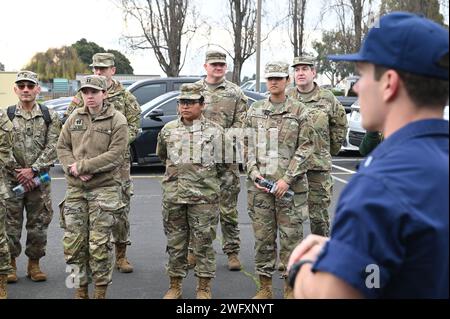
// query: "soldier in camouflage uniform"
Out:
[225,104]
[91,149]
[34,143]
[5,157]
[330,123]
[189,147]
[280,152]
[124,102]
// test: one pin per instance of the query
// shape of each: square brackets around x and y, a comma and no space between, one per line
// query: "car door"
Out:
[151,125]
[148,92]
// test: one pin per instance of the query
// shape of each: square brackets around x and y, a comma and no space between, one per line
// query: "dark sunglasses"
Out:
[22,86]
[188,102]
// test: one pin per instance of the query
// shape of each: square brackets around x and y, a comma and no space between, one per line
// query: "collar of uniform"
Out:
[415,129]
[35,111]
[115,88]
[107,111]
[222,84]
[268,105]
[314,95]
[196,126]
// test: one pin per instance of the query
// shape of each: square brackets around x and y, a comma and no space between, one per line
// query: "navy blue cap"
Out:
[405,42]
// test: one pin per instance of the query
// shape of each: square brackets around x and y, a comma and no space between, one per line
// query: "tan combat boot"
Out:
[204,288]
[233,262]
[34,272]
[122,262]
[12,277]
[265,288]
[281,267]
[288,292]
[3,283]
[175,290]
[191,259]
[82,292]
[100,292]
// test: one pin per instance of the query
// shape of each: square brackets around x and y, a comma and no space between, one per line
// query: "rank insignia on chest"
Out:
[78,123]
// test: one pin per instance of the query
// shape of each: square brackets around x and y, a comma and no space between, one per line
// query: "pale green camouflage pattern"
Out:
[190,179]
[87,217]
[195,221]
[5,157]
[226,105]
[303,60]
[319,199]
[103,60]
[94,82]
[276,69]
[214,56]
[121,229]
[27,76]
[270,215]
[38,206]
[190,91]
[34,145]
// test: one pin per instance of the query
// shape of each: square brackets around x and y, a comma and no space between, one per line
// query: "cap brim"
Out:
[100,65]
[355,57]
[216,61]
[27,80]
[190,97]
[301,63]
[275,75]
[91,86]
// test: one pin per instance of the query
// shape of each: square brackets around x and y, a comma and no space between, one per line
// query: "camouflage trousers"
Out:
[38,206]
[5,260]
[87,217]
[270,216]
[182,220]
[319,198]
[121,229]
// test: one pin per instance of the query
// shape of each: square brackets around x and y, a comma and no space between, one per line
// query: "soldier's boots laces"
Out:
[288,292]
[204,288]
[82,292]
[34,271]
[191,260]
[100,292]
[265,288]
[3,283]
[122,263]
[175,291]
[233,262]
[12,277]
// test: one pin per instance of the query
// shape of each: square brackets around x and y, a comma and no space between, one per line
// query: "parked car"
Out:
[251,86]
[155,114]
[148,89]
[127,83]
[59,105]
[356,132]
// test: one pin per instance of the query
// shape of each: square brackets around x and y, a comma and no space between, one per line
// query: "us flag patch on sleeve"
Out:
[76,100]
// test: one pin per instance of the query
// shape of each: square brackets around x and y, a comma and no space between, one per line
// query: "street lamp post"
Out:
[258,44]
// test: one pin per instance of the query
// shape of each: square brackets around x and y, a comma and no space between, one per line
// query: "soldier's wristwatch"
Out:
[295,269]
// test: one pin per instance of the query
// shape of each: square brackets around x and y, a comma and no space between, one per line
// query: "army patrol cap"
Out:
[276,69]
[215,57]
[303,60]
[97,82]
[103,60]
[27,76]
[191,91]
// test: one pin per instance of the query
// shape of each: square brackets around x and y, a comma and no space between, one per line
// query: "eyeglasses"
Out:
[188,103]
[22,86]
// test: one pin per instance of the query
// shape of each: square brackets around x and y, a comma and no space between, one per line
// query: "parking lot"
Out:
[147,252]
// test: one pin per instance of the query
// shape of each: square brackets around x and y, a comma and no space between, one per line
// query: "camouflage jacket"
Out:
[193,159]
[34,144]
[123,101]
[287,156]
[226,104]
[330,122]
[5,150]
[97,146]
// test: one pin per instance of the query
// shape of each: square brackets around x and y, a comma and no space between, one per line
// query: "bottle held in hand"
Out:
[44,178]
[272,187]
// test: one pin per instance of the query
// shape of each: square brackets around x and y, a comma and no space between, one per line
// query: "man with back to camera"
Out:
[390,237]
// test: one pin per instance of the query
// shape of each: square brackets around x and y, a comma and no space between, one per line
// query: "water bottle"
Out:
[44,178]
[272,188]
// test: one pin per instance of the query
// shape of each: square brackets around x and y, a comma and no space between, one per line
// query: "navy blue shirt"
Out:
[392,218]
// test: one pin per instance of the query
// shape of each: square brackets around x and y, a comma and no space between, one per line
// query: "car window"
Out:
[177,85]
[169,107]
[148,92]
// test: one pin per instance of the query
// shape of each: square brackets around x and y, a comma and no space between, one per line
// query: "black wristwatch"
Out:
[295,269]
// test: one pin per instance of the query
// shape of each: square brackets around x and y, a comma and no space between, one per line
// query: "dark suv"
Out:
[148,89]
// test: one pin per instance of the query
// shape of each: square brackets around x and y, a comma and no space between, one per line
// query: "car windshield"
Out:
[157,100]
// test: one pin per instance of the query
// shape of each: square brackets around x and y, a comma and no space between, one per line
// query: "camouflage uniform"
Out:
[330,123]
[226,104]
[5,157]
[289,122]
[124,102]
[34,145]
[97,145]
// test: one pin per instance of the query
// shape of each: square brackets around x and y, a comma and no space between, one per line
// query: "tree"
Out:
[429,8]
[87,49]
[57,63]
[2,67]
[163,29]
[297,10]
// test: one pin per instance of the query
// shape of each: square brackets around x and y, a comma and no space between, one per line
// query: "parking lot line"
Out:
[340,179]
[344,169]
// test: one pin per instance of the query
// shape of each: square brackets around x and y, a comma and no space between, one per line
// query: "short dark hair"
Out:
[421,89]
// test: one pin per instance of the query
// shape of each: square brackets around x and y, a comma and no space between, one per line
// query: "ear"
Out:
[113,70]
[390,82]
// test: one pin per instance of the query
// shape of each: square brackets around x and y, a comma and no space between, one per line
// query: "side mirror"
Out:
[156,113]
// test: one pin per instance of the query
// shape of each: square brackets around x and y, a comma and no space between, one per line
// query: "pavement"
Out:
[147,252]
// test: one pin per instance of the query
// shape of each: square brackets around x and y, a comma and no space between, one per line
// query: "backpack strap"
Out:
[11,111]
